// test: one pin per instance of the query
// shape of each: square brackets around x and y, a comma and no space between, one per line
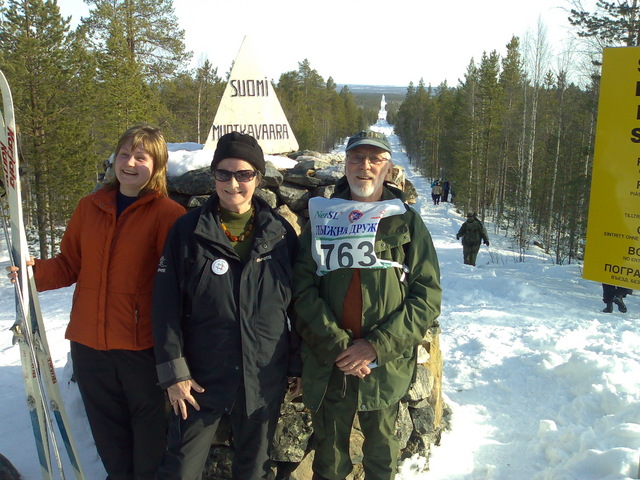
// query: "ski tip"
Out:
[7,470]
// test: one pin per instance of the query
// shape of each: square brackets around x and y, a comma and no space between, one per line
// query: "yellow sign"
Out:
[613,234]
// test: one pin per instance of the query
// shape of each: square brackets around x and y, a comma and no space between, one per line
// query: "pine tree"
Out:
[149,31]
[512,83]
[210,88]
[124,96]
[46,70]
[312,107]
[190,101]
[615,23]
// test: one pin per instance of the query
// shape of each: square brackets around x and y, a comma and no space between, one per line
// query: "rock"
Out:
[422,387]
[294,196]
[326,191]
[197,201]
[272,176]
[306,153]
[330,174]
[218,464]
[397,177]
[304,178]
[311,163]
[404,425]
[291,441]
[422,420]
[334,158]
[194,182]
[297,221]
[268,196]
[410,192]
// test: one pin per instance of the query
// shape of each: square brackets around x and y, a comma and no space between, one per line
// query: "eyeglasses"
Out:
[240,175]
[359,158]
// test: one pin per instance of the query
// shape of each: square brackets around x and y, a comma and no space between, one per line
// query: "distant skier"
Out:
[472,233]
[446,186]
[436,192]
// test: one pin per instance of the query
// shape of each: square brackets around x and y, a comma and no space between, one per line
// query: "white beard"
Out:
[363,190]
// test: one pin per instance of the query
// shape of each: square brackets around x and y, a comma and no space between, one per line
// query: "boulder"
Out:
[294,196]
[193,182]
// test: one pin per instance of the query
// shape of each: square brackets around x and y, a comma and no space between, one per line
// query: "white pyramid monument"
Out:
[250,105]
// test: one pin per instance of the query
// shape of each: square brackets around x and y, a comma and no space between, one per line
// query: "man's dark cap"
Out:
[369,137]
[242,146]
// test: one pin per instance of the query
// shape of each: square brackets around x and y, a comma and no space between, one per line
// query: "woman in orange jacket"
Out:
[111,249]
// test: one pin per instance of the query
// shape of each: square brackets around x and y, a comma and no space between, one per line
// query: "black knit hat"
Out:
[239,145]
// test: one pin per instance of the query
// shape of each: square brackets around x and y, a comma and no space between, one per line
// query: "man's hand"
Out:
[354,360]
[486,242]
[180,393]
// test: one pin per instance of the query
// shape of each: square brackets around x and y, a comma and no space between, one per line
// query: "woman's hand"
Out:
[180,394]
[13,271]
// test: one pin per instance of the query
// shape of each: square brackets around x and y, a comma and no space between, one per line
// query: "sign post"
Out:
[612,251]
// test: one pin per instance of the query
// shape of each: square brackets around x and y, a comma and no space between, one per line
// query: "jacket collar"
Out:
[268,228]
[108,196]
[105,199]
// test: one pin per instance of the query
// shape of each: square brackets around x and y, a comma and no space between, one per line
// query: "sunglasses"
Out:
[241,175]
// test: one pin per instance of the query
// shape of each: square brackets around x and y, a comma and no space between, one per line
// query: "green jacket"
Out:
[395,314]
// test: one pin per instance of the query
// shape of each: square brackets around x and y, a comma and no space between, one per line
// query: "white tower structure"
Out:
[382,114]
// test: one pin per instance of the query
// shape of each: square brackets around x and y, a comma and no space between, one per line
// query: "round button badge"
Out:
[220,266]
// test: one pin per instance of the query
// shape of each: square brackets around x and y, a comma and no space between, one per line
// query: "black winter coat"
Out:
[218,321]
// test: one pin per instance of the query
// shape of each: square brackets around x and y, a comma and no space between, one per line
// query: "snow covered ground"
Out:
[542,384]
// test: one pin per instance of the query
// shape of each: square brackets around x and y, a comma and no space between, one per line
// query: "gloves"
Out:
[486,242]
[457,237]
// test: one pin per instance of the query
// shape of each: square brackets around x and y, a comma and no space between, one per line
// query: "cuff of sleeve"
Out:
[172,372]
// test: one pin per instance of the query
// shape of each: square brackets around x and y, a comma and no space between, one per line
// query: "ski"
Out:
[44,400]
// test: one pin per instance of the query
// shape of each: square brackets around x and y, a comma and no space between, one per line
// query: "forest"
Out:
[515,137]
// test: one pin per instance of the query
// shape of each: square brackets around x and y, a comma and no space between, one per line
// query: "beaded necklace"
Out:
[243,235]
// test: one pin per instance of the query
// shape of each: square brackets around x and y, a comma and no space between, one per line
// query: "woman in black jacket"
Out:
[223,342]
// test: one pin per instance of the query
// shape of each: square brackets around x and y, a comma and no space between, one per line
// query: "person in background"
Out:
[110,250]
[612,294]
[360,326]
[445,191]
[472,233]
[222,339]
[436,192]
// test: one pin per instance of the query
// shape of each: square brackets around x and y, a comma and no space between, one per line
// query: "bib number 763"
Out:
[346,256]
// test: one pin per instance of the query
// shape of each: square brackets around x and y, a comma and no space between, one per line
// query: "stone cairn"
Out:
[422,416]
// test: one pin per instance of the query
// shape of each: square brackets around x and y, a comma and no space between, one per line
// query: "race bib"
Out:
[344,232]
